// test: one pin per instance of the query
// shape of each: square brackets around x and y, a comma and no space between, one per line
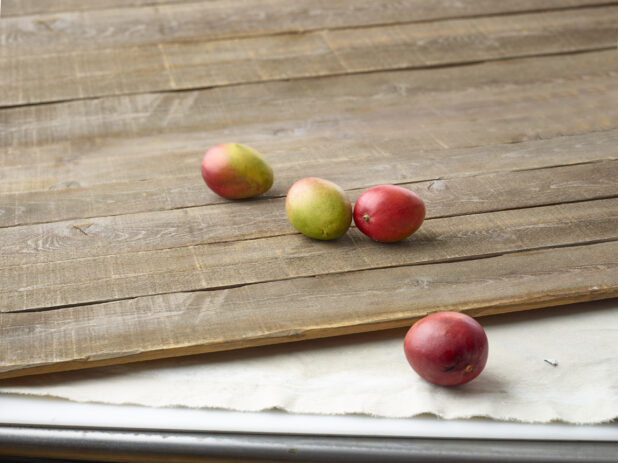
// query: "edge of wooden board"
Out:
[281,338]
[572,281]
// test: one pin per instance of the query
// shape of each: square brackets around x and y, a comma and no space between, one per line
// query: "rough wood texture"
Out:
[288,255]
[171,66]
[27,7]
[205,321]
[495,102]
[502,116]
[191,21]
[76,239]
[440,187]
[262,10]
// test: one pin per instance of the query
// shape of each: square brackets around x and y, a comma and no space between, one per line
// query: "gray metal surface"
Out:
[131,446]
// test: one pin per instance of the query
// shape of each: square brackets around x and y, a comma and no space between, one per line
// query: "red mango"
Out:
[388,213]
[447,348]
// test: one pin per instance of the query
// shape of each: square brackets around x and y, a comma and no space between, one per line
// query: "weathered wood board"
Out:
[503,117]
[100,69]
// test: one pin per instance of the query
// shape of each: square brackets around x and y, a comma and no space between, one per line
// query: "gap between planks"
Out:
[182,324]
[353,193]
[381,100]
[384,13]
[342,272]
[390,164]
[342,54]
[184,227]
[198,88]
[39,31]
[290,256]
[55,166]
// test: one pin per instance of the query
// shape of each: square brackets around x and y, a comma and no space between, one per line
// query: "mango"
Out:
[236,171]
[388,213]
[318,208]
[447,348]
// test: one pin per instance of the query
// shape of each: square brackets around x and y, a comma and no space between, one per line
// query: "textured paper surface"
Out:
[368,374]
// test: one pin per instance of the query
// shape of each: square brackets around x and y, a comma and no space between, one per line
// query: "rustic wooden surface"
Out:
[503,116]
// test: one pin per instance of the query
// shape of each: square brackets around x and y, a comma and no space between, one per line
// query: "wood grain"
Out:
[205,321]
[502,116]
[129,24]
[172,66]
[226,264]
[142,231]
[29,7]
[438,8]
[569,94]
[73,176]
[158,192]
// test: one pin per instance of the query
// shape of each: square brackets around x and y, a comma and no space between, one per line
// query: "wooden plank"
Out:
[205,321]
[233,263]
[247,278]
[129,25]
[576,91]
[75,239]
[396,129]
[68,173]
[115,71]
[29,7]
[158,192]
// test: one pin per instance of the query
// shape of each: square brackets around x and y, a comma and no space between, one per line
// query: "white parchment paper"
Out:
[368,374]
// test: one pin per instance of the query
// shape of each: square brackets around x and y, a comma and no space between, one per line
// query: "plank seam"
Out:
[393,24]
[306,78]
[157,6]
[573,201]
[240,285]
[410,182]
